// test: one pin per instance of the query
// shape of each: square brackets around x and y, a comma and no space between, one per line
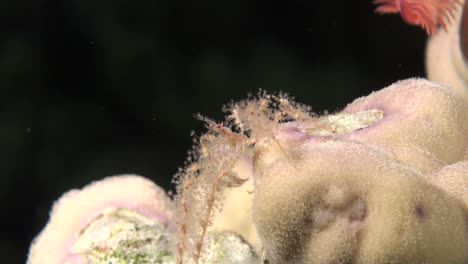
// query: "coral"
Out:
[122,235]
[358,186]
[347,194]
[436,122]
[385,180]
[382,181]
[344,210]
[124,219]
[454,180]
[77,208]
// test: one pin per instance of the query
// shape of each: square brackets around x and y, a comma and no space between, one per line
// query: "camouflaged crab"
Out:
[385,180]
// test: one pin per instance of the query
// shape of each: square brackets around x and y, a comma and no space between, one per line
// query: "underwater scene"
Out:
[237,132]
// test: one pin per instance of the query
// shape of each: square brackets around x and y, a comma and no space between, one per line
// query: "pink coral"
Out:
[352,202]
[326,194]
[76,208]
[382,181]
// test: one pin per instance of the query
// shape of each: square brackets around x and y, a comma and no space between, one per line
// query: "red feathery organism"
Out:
[429,14]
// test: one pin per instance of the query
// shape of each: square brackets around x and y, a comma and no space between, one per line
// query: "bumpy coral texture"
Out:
[423,123]
[383,181]
[417,114]
[379,194]
[454,180]
[73,211]
[344,210]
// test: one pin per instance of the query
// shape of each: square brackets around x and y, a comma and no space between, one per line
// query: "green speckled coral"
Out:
[123,236]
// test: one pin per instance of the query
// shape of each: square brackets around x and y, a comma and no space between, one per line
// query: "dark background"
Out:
[90,89]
